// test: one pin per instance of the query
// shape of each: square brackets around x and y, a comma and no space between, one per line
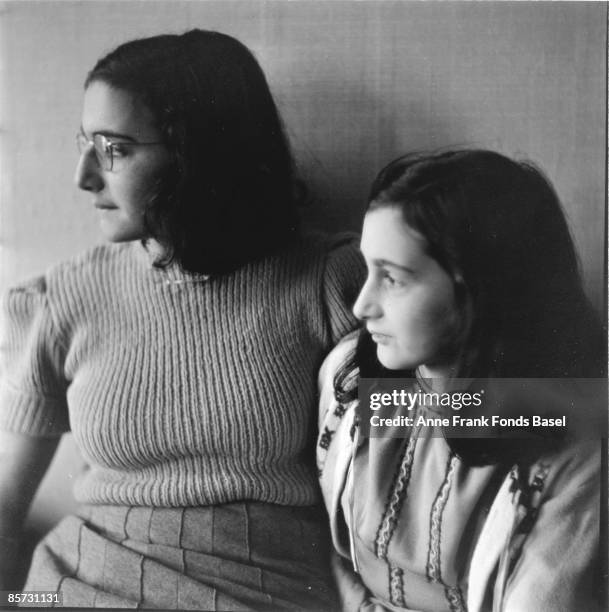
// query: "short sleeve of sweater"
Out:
[344,276]
[32,384]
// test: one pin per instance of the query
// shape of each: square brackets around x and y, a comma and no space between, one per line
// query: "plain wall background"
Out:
[357,83]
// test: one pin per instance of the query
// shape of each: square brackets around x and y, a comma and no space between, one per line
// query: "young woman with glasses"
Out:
[183,355]
[473,285]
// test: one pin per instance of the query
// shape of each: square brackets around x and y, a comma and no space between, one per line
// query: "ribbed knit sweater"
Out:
[179,391]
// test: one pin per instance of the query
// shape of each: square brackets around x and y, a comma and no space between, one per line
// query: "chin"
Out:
[117,227]
[119,239]
[392,361]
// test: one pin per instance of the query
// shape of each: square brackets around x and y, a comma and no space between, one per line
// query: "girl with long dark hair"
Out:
[183,355]
[473,283]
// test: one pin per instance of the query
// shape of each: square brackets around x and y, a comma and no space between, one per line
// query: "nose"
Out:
[88,172]
[367,305]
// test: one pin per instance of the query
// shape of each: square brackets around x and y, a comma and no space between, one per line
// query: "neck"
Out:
[437,377]
[154,248]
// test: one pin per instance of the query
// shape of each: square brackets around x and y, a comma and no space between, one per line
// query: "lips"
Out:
[378,337]
[103,206]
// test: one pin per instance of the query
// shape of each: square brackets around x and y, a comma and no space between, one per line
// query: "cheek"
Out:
[442,329]
[146,179]
[142,185]
[441,315]
[431,322]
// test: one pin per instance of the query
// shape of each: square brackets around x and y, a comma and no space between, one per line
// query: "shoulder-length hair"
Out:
[228,196]
[497,228]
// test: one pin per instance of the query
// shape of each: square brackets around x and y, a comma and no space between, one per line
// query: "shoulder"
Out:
[575,466]
[89,263]
[326,242]
[331,264]
[331,250]
[21,302]
[562,480]
[343,253]
[342,276]
[91,273]
[311,251]
[27,322]
[66,286]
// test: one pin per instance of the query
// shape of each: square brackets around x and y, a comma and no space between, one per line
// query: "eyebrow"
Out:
[111,134]
[386,263]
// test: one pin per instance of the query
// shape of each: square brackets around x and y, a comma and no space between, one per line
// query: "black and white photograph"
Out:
[303,305]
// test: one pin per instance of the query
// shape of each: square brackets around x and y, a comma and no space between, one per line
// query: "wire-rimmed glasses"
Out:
[106,149]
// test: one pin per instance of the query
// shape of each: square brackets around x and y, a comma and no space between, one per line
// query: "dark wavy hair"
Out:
[497,227]
[229,196]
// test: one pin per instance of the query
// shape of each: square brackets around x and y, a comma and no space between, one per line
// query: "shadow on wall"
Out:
[339,164]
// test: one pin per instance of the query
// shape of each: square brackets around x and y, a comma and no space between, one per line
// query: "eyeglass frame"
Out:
[107,148]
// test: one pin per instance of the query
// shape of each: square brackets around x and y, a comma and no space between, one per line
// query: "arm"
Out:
[33,408]
[23,463]
[558,568]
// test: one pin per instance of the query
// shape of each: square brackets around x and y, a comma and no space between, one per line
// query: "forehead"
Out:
[111,111]
[385,236]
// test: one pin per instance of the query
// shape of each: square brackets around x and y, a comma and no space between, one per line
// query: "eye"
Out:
[389,279]
[118,149]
